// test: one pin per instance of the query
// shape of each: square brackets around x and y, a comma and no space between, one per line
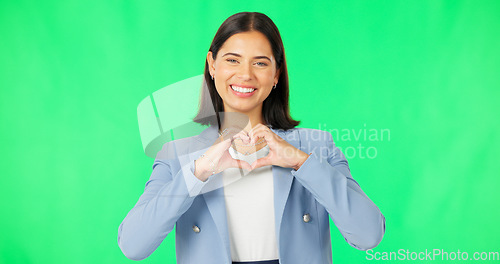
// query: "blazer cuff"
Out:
[193,184]
[306,163]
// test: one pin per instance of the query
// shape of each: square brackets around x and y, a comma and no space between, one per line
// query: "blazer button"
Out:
[196,229]
[306,218]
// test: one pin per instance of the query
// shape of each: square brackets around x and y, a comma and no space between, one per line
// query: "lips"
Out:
[242,90]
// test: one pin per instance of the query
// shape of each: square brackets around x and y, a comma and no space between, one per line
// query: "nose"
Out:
[245,71]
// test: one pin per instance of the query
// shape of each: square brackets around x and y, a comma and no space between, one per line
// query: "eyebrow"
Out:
[238,55]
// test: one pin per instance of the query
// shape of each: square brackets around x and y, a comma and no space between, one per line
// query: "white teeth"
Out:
[242,90]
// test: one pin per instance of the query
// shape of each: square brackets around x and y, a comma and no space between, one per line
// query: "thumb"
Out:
[261,162]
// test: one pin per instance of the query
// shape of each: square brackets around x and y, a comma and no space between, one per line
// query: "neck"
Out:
[241,120]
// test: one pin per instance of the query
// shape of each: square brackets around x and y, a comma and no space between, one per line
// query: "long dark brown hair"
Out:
[275,108]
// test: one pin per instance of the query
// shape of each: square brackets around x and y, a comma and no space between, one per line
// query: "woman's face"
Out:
[244,72]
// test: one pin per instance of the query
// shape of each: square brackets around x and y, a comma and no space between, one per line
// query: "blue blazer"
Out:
[303,200]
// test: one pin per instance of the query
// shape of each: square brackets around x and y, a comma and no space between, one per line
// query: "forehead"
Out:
[249,43]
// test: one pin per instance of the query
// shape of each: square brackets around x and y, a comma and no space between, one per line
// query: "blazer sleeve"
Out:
[167,195]
[329,180]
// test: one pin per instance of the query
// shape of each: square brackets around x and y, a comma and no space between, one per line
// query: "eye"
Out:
[260,63]
[231,60]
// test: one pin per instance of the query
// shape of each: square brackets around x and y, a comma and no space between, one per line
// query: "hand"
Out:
[281,153]
[218,154]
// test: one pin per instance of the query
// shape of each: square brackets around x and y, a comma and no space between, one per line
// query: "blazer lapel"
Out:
[283,179]
[217,207]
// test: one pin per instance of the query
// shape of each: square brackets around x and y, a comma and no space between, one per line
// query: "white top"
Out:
[250,210]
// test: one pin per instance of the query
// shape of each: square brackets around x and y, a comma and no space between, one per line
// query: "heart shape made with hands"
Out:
[279,151]
[244,148]
[250,153]
[258,155]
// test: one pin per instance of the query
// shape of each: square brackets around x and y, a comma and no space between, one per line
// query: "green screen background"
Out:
[73,72]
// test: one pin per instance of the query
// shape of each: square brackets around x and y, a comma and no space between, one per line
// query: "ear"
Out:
[277,76]
[211,62]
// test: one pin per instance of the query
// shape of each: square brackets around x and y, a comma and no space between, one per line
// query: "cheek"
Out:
[266,77]
[225,72]
[223,75]
[220,87]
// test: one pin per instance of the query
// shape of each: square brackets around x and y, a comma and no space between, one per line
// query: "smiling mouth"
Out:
[242,89]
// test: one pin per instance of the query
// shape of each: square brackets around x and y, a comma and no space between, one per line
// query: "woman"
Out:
[251,188]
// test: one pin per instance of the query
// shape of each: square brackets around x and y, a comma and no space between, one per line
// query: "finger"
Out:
[266,134]
[243,136]
[258,126]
